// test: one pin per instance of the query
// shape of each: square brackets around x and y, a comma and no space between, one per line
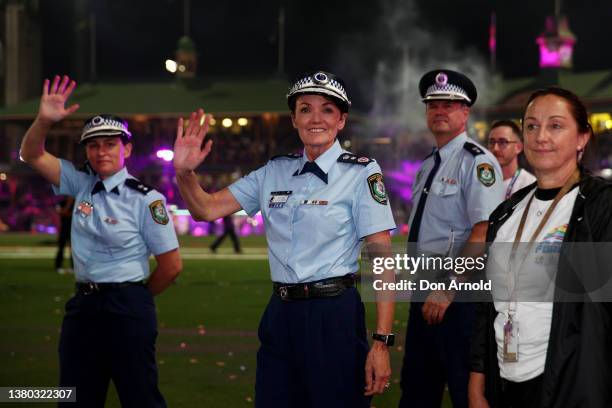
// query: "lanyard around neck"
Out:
[574,178]
[514,178]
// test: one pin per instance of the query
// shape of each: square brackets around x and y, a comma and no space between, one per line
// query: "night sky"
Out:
[239,38]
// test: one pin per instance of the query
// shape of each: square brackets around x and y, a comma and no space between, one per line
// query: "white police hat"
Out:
[105,125]
[321,83]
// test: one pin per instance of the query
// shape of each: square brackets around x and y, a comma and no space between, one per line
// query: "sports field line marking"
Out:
[249,254]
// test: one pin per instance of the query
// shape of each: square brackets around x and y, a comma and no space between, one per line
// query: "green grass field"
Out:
[207,323]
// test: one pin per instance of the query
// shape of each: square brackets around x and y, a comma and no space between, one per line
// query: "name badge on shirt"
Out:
[111,221]
[84,209]
[278,198]
[314,202]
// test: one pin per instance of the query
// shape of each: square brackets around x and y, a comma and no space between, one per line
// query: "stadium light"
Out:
[171,66]
[165,154]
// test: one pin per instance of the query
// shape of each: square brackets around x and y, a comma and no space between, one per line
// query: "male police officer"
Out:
[109,327]
[506,144]
[455,190]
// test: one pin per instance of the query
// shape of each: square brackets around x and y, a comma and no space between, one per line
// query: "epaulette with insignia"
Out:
[138,186]
[353,159]
[472,148]
[287,156]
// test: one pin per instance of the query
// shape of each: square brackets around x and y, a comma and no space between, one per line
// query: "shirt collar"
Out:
[456,143]
[115,180]
[327,159]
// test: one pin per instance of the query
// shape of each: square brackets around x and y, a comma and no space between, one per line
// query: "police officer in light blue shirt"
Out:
[109,327]
[457,187]
[464,191]
[318,208]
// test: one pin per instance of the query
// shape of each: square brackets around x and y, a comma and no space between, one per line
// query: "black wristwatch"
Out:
[388,339]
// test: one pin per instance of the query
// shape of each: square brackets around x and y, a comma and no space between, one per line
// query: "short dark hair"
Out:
[340,104]
[511,124]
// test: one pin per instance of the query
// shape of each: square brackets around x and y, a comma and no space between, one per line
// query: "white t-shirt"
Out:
[523,179]
[534,286]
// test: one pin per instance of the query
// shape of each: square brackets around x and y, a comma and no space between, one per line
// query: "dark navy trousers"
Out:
[110,335]
[312,353]
[436,355]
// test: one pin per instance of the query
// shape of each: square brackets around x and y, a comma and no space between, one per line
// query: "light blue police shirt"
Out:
[467,187]
[314,230]
[113,235]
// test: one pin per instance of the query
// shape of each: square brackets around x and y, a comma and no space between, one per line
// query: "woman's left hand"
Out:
[377,369]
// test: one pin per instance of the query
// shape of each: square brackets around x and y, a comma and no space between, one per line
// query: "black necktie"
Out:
[312,167]
[413,236]
[99,186]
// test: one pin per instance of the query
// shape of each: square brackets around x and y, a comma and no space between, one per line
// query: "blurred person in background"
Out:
[109,327]
[228,231]
[318,208]
[506,144]
[64,210]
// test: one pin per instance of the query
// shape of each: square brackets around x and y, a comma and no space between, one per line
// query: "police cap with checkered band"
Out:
[447,85]
[320,83]
[105,125]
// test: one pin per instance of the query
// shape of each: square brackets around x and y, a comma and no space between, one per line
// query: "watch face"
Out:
[388,339]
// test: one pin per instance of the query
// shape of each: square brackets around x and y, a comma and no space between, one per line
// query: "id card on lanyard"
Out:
[511,326]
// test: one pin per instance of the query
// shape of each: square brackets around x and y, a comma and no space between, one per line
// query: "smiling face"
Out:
[551,136]
[107,155]
[446,118]
[318,121]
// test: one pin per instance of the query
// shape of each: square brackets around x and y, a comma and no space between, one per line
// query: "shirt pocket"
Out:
[445,203]
[445,189]
[117,235]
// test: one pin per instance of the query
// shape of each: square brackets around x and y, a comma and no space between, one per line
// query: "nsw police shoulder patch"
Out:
[158,212]
[485,174]
[377,188]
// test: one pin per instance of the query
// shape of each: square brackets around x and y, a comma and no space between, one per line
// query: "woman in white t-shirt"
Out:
[545,340]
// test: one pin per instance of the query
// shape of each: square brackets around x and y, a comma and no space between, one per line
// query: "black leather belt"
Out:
[87,288]
[323,288]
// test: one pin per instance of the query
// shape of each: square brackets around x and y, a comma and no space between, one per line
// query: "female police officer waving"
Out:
[317,208]
[109,328]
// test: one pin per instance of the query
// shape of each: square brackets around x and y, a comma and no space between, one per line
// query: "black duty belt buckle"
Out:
[283,292]
[89,288]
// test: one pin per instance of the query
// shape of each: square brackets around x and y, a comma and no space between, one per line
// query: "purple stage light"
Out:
[400,181]
[197,231]
[165,154]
